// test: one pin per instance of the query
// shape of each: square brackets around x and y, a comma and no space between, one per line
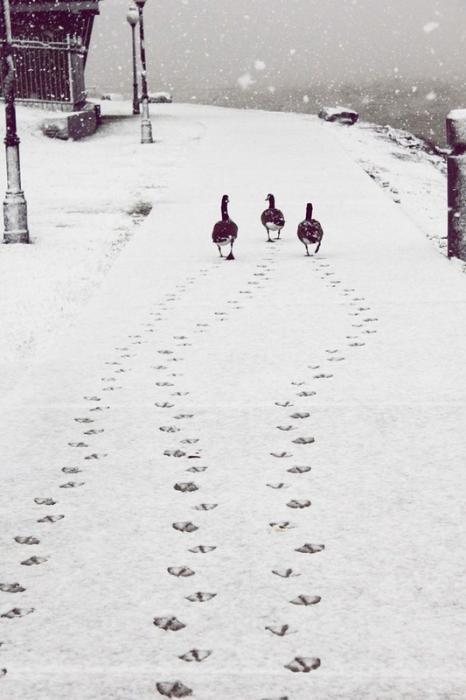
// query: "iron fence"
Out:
[50,72]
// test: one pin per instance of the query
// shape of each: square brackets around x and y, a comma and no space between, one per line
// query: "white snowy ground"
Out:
[187,369]
[412,177]
[85,200]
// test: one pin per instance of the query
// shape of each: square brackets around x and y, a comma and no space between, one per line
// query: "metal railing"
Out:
[50,72]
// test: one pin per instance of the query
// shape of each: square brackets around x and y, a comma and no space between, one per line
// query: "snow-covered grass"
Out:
[402,165]
[85,201]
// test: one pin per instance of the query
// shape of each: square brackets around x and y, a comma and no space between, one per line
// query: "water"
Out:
[419,107]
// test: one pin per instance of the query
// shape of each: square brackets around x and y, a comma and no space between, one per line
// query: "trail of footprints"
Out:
[360,317]
[363,323]
[98,409]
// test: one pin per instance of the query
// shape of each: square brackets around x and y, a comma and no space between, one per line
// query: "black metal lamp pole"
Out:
[146,126]
[14,205]
[133,18]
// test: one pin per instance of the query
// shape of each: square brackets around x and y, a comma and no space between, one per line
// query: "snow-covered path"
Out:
[192,382]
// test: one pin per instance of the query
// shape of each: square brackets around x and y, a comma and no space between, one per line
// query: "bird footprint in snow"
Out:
[203,549]
[17,612]
[282,526]
[11,588]
[310,548]
[180,571]
[301,664]
[169,624]
[174,690]
[34,561]
[197,655]
[186,487]
[298,504]
[285,573]
[200,597]
[26,540]
[306,600]
[185,526]
[45,501]
[50,518]
[279,631]
[299,470]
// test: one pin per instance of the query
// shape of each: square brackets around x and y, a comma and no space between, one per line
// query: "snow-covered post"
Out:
[15,225]
[146,126]
[133,18]
[456,135]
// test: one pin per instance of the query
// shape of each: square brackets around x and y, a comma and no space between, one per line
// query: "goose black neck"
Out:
[271,202]
[309,212]
[225,209]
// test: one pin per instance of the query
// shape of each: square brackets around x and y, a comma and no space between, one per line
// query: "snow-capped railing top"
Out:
[72,6]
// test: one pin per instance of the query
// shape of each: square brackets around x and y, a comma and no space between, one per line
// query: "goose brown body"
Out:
[225,231]
[310,230]
[272,218]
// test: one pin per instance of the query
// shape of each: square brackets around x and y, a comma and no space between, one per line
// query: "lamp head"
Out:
[132,16]
[140,4]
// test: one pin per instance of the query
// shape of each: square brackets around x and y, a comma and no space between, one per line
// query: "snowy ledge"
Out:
[410,171]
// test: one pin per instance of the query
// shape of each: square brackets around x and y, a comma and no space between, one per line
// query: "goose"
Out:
[310,231]
[225,231]
[272,219]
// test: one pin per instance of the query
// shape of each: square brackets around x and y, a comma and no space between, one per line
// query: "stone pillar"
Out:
[456,136]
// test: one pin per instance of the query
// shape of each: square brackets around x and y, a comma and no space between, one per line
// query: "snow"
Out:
[409,175]
[79,217]
[245,81]
[430,27]
[365,338]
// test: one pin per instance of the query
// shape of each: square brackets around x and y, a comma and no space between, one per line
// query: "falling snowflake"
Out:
[245,81]
[259,65]
[306,99]
[431,96]
[430,27]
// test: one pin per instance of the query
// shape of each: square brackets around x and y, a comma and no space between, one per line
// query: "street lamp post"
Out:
[133,18]
[146,126]
[14,205]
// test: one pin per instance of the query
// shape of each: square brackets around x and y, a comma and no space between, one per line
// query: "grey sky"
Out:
[194,44]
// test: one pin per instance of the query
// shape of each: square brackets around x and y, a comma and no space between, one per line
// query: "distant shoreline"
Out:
[417,106]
